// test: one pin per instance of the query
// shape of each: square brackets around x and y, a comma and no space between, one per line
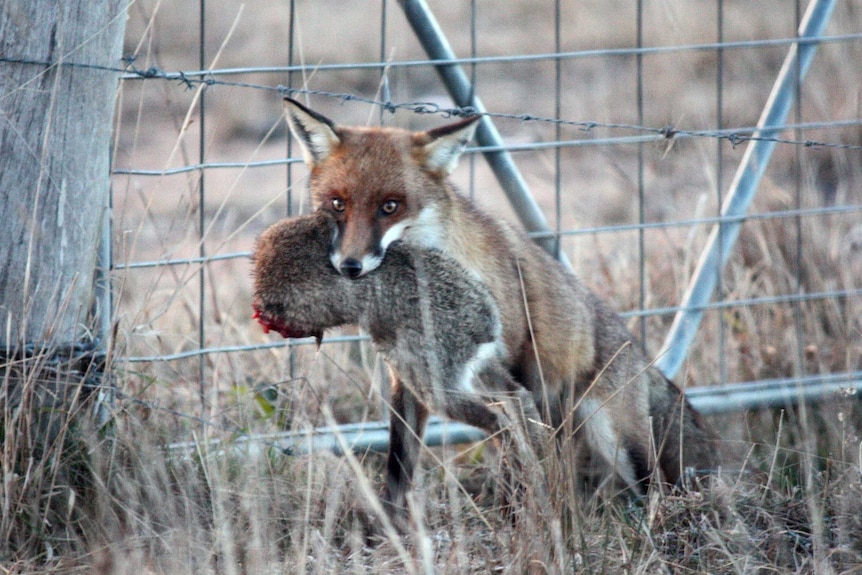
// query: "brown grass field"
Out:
[788,497]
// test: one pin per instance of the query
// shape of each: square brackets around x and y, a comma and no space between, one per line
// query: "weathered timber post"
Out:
[55,131]
[58,84]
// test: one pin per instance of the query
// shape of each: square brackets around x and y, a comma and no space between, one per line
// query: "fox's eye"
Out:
[389,207]
[338,204]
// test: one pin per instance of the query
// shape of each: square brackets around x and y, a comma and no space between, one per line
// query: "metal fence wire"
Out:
[696,163]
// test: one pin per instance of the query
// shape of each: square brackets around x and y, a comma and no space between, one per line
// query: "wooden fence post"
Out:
[57,94]
[56,120]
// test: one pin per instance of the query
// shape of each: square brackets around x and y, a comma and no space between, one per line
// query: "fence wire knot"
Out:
[588,127]
[151,72]
[425,108]
[185,80]
[465,112]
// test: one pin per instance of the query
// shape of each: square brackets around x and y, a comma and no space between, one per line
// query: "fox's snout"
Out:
[351,268]
[359,245]
[355,263]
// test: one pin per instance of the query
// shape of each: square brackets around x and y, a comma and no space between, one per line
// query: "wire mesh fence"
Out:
[626,128]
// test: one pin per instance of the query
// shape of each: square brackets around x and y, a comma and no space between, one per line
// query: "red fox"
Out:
[437,326]
[562,343]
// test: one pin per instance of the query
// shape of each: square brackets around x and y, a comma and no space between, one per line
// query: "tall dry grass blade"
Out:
[371,498]
[774,463]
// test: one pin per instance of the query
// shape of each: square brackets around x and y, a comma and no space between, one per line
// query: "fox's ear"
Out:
[315,132]
[443,145]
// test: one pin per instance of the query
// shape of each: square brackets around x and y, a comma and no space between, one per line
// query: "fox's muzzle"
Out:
[350,268]
[357,248]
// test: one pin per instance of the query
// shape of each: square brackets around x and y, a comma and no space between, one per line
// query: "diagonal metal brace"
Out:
[437,47]
[742,189]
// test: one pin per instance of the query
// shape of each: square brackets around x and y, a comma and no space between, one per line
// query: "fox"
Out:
[437,327]
[589,378]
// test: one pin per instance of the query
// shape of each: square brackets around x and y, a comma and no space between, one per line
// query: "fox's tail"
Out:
[682,439]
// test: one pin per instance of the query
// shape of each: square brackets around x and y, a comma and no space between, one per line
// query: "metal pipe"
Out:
[361,437]
[772,393]
[742,189]
[374,436]
[437,47]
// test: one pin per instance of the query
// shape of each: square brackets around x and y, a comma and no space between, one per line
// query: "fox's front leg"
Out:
[406,426]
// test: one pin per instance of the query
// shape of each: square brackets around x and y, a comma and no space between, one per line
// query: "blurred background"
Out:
[202,169]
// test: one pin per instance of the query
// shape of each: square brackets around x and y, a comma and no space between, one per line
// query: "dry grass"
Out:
[116,500]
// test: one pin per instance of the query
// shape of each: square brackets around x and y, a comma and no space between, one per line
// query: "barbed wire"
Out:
[592,230]
[735,136]
[154,72]
[529,58]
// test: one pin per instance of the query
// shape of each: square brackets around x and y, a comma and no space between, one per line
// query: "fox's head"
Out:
[380,185]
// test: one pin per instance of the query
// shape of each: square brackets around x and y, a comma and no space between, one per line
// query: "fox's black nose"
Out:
[351,268]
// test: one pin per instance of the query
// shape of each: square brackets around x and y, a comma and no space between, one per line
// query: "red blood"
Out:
[270,323]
